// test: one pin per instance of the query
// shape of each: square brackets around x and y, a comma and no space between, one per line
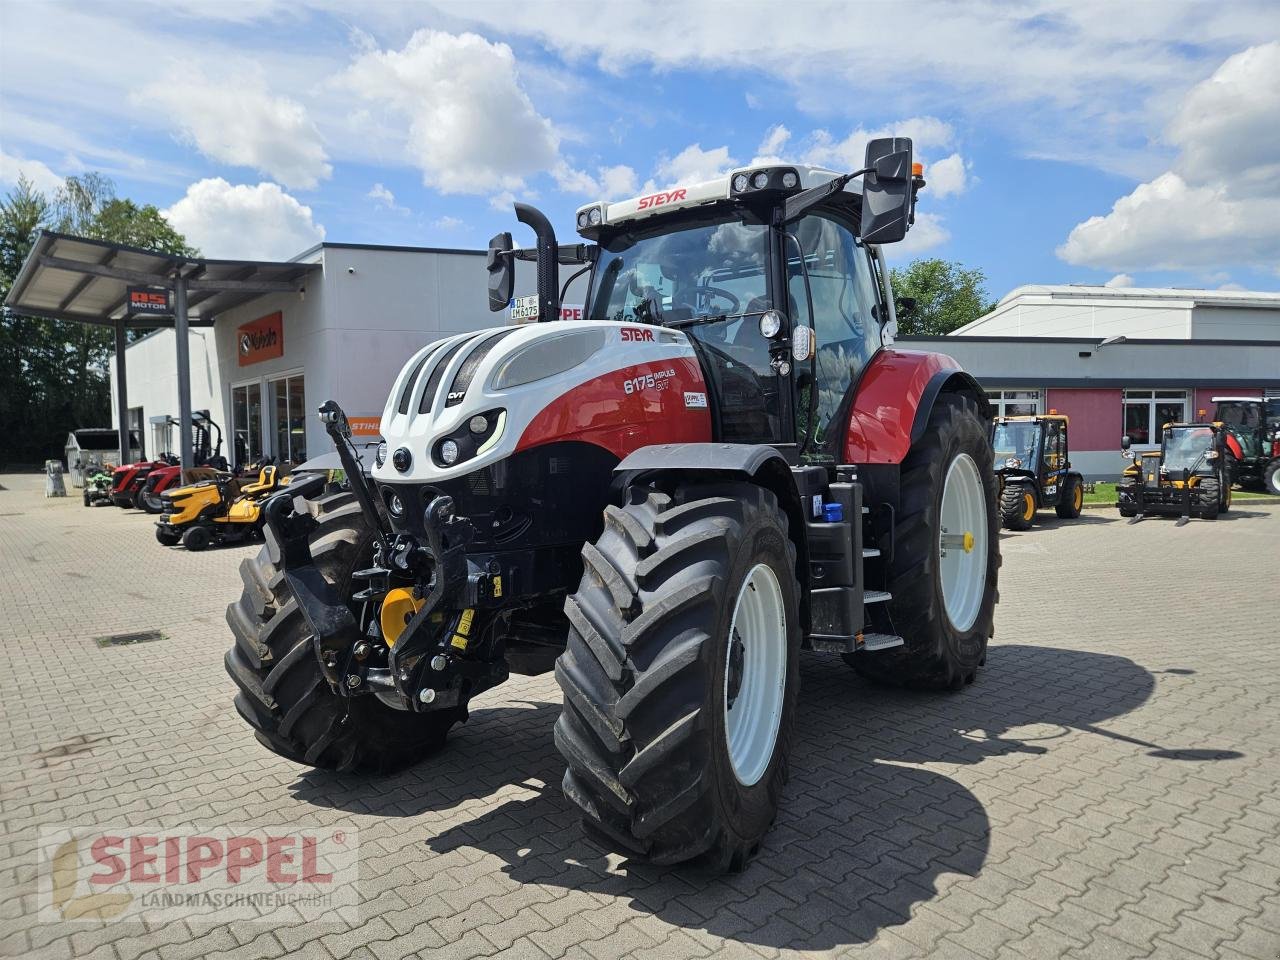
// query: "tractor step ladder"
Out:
[869,552]
[879,641]
[877,596]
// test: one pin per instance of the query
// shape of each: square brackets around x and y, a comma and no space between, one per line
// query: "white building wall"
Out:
[1228,323]
[151,375]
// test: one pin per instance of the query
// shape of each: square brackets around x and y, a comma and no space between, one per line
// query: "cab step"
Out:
[877,596]
[869,552]
[879,641]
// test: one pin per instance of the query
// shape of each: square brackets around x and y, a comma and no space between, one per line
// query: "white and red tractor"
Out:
[723,463]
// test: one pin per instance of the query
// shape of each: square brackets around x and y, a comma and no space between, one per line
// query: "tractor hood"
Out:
[468,401]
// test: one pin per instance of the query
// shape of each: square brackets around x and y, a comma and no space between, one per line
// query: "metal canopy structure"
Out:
[88,281]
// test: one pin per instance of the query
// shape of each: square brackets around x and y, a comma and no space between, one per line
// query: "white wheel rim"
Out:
[962,542]
[759,624]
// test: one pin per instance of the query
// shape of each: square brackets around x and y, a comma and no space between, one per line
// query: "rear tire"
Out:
[196,538]
[1071,499]
[283,693]
[658,763]
[1271,478]
[936,654]
[1016,512]
[150,502]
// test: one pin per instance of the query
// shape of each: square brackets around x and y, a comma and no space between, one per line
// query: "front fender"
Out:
[894,398]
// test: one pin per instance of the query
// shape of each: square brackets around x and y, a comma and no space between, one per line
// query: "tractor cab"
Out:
[1031,461]
[1252,440]
[1187,477]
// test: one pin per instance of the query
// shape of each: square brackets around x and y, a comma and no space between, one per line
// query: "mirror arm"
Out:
[802,201]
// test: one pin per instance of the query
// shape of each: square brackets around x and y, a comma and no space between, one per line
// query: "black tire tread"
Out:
[283,693]
[633,707]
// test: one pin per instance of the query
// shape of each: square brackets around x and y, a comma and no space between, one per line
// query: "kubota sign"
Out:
[261,339]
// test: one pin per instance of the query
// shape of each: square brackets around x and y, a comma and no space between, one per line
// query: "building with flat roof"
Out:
[1118,361]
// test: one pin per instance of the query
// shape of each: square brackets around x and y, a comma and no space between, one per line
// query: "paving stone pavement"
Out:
[1110,787]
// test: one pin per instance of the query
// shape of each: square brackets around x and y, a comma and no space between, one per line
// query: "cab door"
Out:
[1053,462]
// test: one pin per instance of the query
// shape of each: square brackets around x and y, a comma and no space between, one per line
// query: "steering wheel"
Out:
[736,304]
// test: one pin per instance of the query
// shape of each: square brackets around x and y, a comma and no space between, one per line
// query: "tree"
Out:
[947,296]
[53,374]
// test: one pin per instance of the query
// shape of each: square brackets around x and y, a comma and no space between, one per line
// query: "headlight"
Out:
[548,356]
[396,505]
[760,180]
[770,324]
[1013,463]
[594,217]
[790,180]
[380,456]
[582,219]
[801,343]
[449,452]
[739,182]
[402,459]
[478,424]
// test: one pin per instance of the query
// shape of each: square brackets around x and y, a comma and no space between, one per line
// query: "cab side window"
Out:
[843,287]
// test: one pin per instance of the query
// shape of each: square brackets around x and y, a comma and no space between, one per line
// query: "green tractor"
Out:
[1189,476]
[1252,439]
[1033,470]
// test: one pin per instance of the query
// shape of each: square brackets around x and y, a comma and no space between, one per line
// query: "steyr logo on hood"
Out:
[658,199]
[637,334]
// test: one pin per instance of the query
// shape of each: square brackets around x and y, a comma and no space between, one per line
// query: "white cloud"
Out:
[471,127]
[925,234]
[693,165]
[238,121]
[1120,280]
[947,177]
[41,177]
[258,222]
[446,223]
[775,139]
[1220,205]
[384,199]
[1228,127]
[610,183]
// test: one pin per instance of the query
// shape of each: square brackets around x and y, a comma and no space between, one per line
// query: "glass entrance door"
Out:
[289,419]
[246,423]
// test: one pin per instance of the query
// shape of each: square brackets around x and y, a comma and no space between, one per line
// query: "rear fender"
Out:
[894,398]
[703,462]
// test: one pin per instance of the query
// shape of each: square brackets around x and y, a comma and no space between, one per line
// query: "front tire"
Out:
[1071,500]
[945,632]
[1210,498]
[687,613]
[283,693]
[167,538]
[1017,507]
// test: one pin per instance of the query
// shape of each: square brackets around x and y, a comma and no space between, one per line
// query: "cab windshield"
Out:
[677,272]
[1185,449]
[1016,440]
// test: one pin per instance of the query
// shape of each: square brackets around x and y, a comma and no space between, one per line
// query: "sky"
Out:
[1135,144]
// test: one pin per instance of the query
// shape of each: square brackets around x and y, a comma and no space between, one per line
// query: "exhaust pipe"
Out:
[548,261]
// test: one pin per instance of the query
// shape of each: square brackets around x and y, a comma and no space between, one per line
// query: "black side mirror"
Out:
[1125,442]
[887,193]
[502,272]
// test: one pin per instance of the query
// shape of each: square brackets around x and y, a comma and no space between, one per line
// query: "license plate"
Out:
[524,308]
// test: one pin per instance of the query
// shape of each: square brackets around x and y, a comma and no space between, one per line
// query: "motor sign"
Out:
[146,301]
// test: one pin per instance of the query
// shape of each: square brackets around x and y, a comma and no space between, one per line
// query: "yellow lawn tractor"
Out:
[219,509]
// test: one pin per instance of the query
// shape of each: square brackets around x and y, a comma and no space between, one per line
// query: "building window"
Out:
[246,424]
[138,428]
[1147,411]
[1015,403]
[289,419]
